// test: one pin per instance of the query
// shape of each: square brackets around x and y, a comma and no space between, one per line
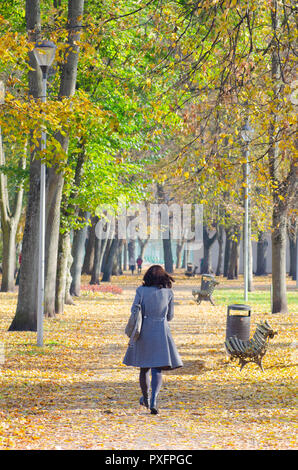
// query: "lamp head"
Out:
[44,53]
[247,132]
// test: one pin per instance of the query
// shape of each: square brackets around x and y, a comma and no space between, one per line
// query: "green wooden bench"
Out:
[252,350]
[191,271]
[208,284]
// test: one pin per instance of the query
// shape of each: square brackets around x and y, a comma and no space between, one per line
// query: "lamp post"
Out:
[246,134]
[44,53]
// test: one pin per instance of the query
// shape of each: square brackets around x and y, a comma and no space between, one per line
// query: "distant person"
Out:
[155,348]
[132,265]
[139,264]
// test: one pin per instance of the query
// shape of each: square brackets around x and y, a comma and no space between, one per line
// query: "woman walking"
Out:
[155,348]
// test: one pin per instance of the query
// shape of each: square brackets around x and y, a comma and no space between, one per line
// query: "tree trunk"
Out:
[125,256]
[279,237]
[292,250]
[262,247]
[78,254]
[234,237]
[220,251]
[119,257]
[110,261]
[26,313]
[68,300]
[90,247]
[237,259]
[168,256]
[143,244]
[53,202]
[295,256]
[9,256]
[292,235]
[25,318]
[105,254]
[63,255]
[227,252]
[208,242]
[65,259]
[115,268]
[179,252]
[233,261]
[55,179]
[131,248]
[9,224]
[283,187]
[185,257]
[99,251]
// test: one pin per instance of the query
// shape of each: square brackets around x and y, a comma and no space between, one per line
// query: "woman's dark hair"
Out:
[158,277]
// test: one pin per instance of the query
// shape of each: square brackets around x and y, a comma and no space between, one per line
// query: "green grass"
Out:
[257,298]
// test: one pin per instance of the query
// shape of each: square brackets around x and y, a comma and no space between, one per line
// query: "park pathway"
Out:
[75,393]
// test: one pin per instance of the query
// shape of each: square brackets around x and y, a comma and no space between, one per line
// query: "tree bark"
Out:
[90,247]
[279,237]
[232,262]
[292,235]
[131,248]
[283,187]
[99,251]
[220,258]
[110,261]
[227,252]
[119,257]
[208,242]
[168,255]
[26,313]
[142,245]
[9,224]
[179,252]
[232,272]
[25,317]
[125,256]
[68,298]
[261,255]
[53,202]
[63,256]
[9,256]
[55,179]
[78,253]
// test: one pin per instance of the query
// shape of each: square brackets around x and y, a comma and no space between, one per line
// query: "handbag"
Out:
[134,324]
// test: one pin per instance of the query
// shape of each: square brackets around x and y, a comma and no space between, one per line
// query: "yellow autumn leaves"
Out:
[75,393]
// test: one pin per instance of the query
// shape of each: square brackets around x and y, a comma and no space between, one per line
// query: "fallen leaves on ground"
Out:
[75,393]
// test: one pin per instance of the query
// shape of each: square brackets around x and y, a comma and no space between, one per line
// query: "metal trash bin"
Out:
[238,325]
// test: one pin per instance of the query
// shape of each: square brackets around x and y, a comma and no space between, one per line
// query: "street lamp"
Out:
[246,134]
[44,53]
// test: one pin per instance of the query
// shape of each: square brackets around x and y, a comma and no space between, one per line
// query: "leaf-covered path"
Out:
[74,393]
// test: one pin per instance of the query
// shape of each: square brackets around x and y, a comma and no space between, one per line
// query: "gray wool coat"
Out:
[155,346]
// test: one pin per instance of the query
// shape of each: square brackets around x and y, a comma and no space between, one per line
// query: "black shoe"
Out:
[144,402]
[153,407]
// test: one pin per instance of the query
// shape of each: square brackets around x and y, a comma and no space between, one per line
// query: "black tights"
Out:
[156,381]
